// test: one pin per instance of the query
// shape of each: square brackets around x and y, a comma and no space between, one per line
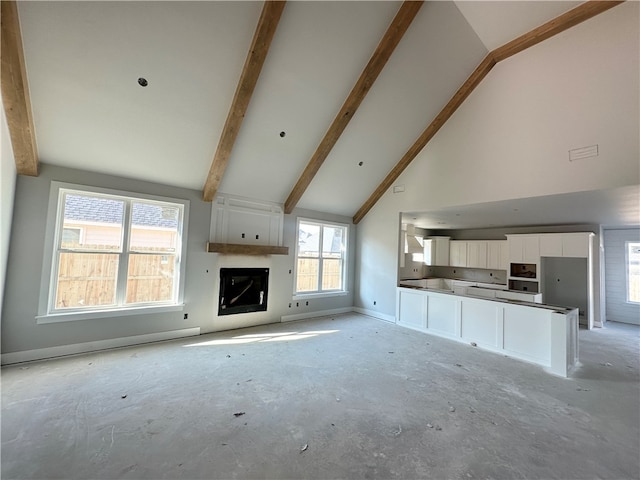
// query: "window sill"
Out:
[116,312]
[307,296]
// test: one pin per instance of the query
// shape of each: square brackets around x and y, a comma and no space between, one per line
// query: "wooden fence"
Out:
[308,274]
[89,279]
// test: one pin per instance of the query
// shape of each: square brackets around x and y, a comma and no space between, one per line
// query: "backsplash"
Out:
[471,274]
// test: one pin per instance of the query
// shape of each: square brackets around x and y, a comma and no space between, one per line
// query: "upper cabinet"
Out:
[491,254]
[477,254]
[457,253]
[436,251]
[529,248]
[523,248]
[497,255]
[576,244]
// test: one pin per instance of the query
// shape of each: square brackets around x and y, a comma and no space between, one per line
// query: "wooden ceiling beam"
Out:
[559,24]
[381,55]
[15,91]
[267,25]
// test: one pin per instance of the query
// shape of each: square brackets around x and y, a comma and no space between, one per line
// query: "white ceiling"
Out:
[83,60]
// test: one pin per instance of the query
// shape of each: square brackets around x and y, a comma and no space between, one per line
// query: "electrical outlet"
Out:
[289,305]
[186,316]
[307,302]
[297,304]
[374,302]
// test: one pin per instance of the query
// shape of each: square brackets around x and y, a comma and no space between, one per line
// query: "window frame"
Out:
[47,311]
[345,260]
[627,276]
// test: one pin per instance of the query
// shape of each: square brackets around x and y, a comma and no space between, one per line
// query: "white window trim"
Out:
[45,315]
[626,271]
[345,262]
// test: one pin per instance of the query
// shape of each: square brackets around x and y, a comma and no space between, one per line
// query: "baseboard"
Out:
[75,348]
[321,313]
[371,313]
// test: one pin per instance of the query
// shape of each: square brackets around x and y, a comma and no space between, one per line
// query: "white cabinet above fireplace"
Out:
[245,221]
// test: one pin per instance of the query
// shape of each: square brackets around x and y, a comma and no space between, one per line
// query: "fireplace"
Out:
[243,290]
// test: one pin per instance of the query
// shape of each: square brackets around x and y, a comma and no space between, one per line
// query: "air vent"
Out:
[584,152]
[398,188]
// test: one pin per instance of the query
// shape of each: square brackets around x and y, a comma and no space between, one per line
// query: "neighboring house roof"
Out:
[94,209]
[308,241]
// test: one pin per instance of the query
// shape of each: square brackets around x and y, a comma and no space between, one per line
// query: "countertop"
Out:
[556,308]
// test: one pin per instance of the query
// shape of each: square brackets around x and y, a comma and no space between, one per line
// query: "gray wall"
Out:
[7,190]
[24,271]
[617,308]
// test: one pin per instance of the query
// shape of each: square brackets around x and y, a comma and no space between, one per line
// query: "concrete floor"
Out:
[368,399]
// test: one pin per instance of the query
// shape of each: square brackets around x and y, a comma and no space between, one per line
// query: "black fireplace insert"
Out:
[243,290]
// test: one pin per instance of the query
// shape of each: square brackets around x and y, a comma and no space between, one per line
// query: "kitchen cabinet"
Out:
[411,308]
[436,251]
[457,253]
[524,248]
[551,245]
[531,332]
[497,255]
[477,254]
[575,244]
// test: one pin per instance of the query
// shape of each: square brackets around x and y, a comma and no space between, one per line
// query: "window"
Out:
[114,251]
[321,257]
[633,272]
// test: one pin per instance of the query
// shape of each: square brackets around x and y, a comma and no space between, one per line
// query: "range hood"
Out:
[413,244]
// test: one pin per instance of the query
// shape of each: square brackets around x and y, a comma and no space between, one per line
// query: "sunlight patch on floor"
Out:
[262,337]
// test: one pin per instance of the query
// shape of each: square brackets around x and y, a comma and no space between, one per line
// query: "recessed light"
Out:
[143,82]
[282,134]
[360,164]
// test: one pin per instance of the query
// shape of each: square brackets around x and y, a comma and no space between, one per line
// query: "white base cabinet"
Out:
[537,334]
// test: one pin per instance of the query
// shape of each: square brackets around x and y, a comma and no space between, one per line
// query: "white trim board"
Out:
[321,313]
[76,348]
[371,313]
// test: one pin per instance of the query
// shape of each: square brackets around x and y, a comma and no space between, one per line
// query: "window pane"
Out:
[332,242]
[154,228]
[633,269]
[332,274]
[86,280]
[307,280]
[150,278]
[309,240]
[98,218]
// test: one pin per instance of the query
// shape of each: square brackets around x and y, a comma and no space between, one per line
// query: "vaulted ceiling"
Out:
[84,61]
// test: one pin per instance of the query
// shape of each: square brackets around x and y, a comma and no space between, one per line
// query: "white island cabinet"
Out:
[540,334]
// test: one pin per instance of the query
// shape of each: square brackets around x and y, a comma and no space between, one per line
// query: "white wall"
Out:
[7,191]
[280,299]
[617,307]
[511,137]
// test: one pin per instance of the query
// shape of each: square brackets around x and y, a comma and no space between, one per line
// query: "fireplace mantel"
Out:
[244,249]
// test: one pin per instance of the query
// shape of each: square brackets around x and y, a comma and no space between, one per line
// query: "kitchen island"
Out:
[542,334]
